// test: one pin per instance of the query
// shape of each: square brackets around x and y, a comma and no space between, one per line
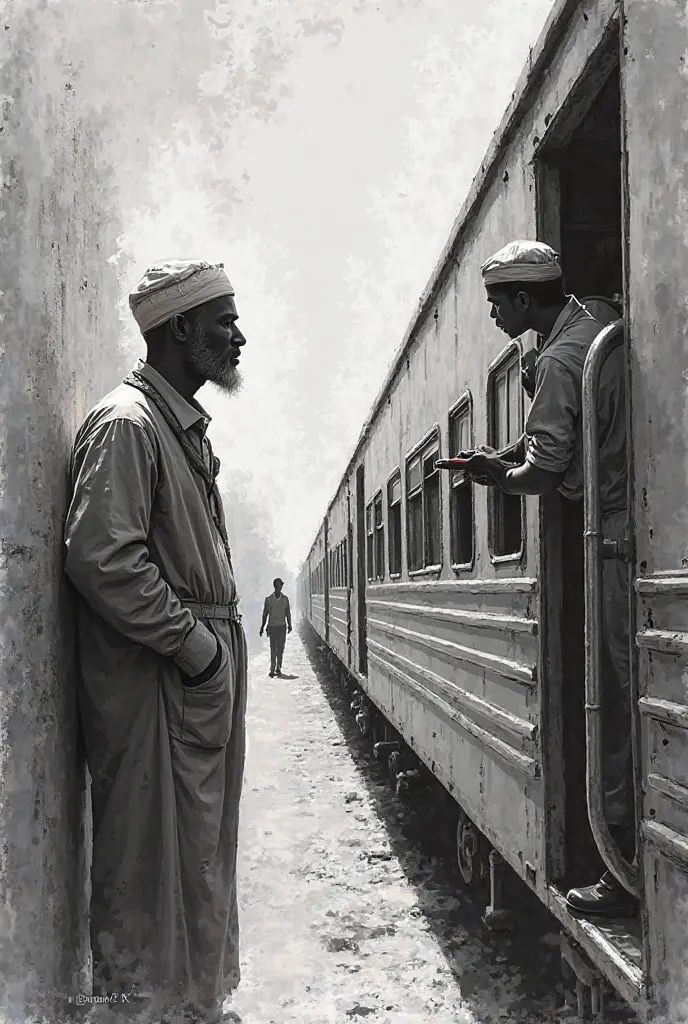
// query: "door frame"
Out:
[607,59]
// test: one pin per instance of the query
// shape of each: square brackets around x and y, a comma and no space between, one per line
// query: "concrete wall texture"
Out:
[58,347]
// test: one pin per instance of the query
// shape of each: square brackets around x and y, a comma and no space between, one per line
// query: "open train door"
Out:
[655,91]
[581,199]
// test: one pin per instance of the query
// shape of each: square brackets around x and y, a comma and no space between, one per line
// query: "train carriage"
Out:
[460,611]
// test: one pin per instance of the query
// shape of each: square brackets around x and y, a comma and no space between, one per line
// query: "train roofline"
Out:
[554,28]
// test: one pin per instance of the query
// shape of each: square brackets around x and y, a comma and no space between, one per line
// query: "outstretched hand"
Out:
[484,465]
[486,468]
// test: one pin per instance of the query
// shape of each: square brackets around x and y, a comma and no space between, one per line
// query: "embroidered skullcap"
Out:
[522,261]
[175,286]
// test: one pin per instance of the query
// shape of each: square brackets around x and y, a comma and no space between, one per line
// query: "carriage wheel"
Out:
[469,851]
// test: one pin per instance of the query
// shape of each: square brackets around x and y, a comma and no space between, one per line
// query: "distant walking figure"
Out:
[277,615]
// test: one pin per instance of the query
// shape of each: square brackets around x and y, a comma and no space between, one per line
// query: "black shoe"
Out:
[271,674]
[607,898]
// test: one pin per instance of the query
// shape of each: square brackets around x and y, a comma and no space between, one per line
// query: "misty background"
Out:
[321,149]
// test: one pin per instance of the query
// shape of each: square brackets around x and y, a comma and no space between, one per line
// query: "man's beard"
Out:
[211,366]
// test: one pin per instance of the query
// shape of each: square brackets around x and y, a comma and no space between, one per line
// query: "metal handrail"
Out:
[594,551]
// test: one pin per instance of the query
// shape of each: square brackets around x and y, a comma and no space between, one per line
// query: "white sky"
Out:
[329,217]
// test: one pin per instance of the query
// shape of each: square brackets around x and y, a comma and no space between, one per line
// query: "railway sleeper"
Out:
[586,994]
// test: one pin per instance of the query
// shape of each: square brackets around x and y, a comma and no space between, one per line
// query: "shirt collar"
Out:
[571,309]
[188,413]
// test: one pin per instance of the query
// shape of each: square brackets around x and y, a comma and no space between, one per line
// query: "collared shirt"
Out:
[554,426]
[140,532]
[277,609]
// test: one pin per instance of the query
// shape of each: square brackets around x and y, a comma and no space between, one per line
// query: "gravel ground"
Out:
[352,907]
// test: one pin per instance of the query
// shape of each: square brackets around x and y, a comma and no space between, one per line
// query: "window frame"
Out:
[390,480]
[380,571]
[370,542]
[432,440]
[511,350]
[463,405]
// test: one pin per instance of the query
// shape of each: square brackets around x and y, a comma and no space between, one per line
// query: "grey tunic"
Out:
[555,443]
[554,429]
[166,760]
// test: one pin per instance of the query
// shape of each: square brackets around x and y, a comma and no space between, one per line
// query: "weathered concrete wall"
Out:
[655,84]
[59,352]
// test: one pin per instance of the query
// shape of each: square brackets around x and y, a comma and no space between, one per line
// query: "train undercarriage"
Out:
[480,865]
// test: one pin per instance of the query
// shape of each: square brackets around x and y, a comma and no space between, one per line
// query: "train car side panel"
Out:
[338,528]
[453,654]
[656,97]
[318,575]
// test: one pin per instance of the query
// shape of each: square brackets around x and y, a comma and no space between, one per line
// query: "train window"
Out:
[461,521]
[505,427]
[414,511]
[342,564]
[345,549]
[432,520]
[370,550]
[424,521]
[379,539]
[394,524]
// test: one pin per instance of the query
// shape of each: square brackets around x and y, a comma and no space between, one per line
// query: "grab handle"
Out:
[595,549]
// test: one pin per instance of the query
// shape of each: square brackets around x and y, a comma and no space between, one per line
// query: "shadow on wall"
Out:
[256,563]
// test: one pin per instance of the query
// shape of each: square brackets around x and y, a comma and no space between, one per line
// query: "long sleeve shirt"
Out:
[276,611]
[140,534]
[554,425]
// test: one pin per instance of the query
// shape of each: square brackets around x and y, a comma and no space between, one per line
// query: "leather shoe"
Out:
[607,898]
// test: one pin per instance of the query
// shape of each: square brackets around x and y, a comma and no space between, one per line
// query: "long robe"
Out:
[166,760]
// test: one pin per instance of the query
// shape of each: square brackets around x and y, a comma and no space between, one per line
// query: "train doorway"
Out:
[580,214]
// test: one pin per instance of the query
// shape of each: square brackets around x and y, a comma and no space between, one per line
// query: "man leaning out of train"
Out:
[525,290]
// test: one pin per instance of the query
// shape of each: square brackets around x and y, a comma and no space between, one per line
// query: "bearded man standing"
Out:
[162,687]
